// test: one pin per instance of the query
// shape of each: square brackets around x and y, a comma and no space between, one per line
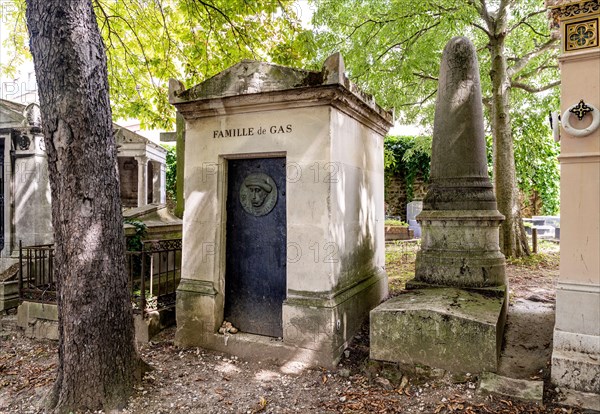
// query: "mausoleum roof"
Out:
[125,137]
[250,78]
[12,116]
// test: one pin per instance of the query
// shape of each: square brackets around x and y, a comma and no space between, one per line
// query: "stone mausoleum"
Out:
[283,224]
[25,204]
[576,342]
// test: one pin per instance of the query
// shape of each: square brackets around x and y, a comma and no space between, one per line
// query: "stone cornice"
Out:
[578,158]
[578,287]
[574,10]
[585,54]
[334,95]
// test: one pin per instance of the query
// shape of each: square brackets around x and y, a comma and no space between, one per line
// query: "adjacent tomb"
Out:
[283,224]
[576,342]
[25,202]
[453,314]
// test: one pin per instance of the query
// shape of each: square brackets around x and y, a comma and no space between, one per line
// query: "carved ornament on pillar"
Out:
[580,22]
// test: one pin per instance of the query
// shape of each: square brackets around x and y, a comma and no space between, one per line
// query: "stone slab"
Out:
[9,294]
[576,370]
[510,387]
[148,325]
[38,320]
[449,328]
[585,400]
[264,348]
[315,331]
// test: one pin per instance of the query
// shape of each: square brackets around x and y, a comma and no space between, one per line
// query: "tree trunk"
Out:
[98,361]
[513,239]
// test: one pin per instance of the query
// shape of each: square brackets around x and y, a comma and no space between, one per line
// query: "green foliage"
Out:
[135,242]
[393,50]
[171,171]
[536,153]
[15,46]
[542,260]
[408,157]
[148,42]
[394,222]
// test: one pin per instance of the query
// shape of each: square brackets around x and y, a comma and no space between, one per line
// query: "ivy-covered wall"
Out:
[396,194]
[407,162]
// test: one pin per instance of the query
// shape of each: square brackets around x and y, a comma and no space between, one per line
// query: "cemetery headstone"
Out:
[453,314]
[412,211]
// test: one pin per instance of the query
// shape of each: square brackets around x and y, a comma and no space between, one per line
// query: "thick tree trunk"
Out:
[513,239]
[98,361]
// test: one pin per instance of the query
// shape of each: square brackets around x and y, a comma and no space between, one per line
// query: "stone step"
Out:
[525,390]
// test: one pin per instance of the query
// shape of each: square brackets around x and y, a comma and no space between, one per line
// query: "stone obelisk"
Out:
[453,313]
[460,219]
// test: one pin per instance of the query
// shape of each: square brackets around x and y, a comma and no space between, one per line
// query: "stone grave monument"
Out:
[284,211]
[413,209]
[453,314]
[576,342]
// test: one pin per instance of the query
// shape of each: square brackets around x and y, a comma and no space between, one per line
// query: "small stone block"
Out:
[448,328]
[584,400]
[515,388]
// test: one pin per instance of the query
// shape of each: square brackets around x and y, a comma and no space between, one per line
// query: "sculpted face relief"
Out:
[258,194]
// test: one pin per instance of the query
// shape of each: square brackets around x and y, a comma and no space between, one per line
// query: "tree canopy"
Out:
[148,42]
[393,49]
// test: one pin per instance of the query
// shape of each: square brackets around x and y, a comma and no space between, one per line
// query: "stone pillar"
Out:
[162,199]
[31,218]
[142,181]
[180,131]
[459,219]
[575,363]
[157,181]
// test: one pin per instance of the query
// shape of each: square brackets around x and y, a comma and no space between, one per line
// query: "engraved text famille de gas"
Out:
[252,131]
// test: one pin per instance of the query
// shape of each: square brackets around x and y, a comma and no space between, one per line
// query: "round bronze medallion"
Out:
[258,194]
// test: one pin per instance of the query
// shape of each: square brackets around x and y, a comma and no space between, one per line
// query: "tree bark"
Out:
[98,361]
[513,239]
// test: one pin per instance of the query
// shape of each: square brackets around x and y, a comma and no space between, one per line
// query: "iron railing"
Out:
[159,262]
[36,273]
[153,274]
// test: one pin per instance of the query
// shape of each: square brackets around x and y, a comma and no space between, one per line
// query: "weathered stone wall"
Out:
[32,217]
[396,194]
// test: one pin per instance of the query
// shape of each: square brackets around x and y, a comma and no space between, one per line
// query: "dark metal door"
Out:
[255,281]
[1,193]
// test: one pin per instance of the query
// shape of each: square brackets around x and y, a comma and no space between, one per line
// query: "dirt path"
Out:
[530,324]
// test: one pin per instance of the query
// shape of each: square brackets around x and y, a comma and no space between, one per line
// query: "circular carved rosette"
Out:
[258,194]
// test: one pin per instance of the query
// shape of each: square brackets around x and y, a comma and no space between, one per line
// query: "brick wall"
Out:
[396,194]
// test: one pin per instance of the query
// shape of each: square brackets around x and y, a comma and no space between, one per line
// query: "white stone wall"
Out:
[306,149]
[31,199]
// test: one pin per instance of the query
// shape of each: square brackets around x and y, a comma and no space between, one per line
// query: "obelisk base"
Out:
[454,329]
[460,248]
